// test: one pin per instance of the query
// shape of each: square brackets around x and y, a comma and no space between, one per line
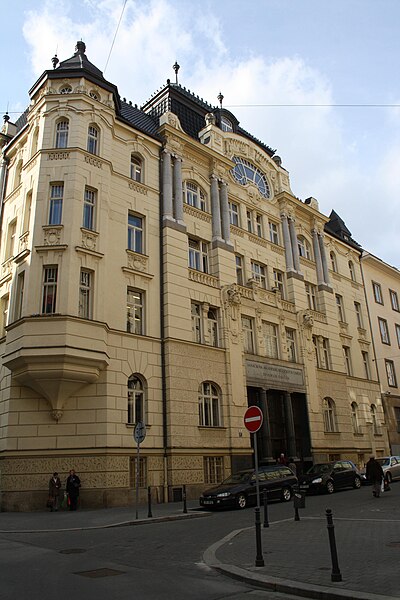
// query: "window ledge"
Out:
[208,427]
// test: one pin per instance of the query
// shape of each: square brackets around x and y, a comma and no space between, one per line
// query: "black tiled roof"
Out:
[139,119]
[22,120]
[336,227]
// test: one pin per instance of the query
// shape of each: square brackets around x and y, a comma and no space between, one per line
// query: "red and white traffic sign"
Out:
[253,419]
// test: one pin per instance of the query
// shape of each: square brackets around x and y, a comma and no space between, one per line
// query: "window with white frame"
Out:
[209,405]
[196,322]
[271,339]
[273,233]
[136,170]
[326,354]
[213,469]
[340,307]
[355,418]
[135,311]
[311,294]
[352,270]
[35,141]
[135,233]
[89,209]
[239,269]
[226,124]
[56,203]
[332,257]
[329,412]
[259,273]
[233,213]
[93,139]
[194,195]
[85,294]
[4,302]
[304,247]
[136,400]
[397,327]
[376,288]
[367,369]
[249,218]
[248,334]
[394,299]
[19,295]
[11,238]
[279,282]
[18,174]
[384,331]
[375,427]
[198,255]
[259,226]
[212,327]
[291,344]
[347,360]
[49,295]
[357,308]
[391,374]
[316,351]
[62,128]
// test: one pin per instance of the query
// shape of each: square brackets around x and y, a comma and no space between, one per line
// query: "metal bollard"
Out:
[336,574]
[184,499]
[149,513]
[296,498]
[259,555]
[265,502]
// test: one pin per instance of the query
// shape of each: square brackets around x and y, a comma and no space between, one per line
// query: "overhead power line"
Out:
[313,105]
[115,35]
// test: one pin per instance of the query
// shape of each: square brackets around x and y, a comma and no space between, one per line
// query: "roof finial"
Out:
[176,68]
[220,98]
[55,61]
[80,47]
[6,117]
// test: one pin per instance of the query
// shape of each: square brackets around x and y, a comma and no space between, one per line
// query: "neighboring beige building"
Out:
[156,266]
[382,288]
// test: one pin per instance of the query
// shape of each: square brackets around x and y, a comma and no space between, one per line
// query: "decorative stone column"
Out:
[168,212]
[323,259]
[266,448]
[178,196]
[289,422]
[226,226]
[215,209]
[317,255]
[287,243]
[295,247]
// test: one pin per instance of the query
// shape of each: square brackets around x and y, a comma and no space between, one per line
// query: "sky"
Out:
[316,80]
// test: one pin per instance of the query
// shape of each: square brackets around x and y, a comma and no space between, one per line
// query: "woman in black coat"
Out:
[72,487]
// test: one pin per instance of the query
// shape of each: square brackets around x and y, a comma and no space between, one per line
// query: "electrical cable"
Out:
[116,31]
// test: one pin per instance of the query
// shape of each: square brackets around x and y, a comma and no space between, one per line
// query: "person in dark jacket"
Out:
[374,474]
[54,492]
[72,487]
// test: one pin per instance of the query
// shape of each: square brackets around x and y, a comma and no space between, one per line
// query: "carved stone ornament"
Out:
[210,118]
[307,320]
[52,237]
[137,262]
[89,240]
[232,299]
[57,414]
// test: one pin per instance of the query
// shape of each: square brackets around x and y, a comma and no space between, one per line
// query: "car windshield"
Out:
[320,468]
[238,477]
[384,462]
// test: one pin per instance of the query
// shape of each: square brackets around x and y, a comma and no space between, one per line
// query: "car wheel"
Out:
[286,494]
[241,501]
[330,488]
[388,477]
[357,483]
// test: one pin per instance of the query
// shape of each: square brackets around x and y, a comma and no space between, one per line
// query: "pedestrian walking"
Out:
[54,492]
[292,466]
[282,459]
[374,474]
[72,487]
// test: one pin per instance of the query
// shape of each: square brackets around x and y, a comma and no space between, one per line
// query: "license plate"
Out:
[208,502]
[304,487]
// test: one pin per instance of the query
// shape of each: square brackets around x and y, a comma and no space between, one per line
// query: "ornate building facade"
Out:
[157,267]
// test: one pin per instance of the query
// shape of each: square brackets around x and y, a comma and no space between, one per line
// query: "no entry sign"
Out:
[253,419]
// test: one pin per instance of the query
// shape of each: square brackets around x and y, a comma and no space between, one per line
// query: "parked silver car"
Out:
[390,466]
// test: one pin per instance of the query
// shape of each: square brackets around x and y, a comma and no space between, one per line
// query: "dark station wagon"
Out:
[240,490]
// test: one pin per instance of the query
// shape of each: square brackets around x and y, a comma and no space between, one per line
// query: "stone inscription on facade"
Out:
[274,374]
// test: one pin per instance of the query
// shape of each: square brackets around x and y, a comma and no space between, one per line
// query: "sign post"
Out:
[139,433]
[253,419]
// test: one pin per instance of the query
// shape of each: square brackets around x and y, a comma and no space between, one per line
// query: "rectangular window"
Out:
[397,417]
[398,334]
[273,233]
[394,299]
[259,226]
[248,335]
[390,372]
[27,212]
[11,236]
[19,296]
[279,282]
[135,233]
[233,213]
[367,370]
[135,312]
[311,294]
[376,287]
[347,360]
[316,351]
[89,208]
[93,136]
[258,272]
[340,308]
[291,344]
[270,331]
[196,323]
[141,476]
[56,202]
[239,269]
[326,354]
[85,294]
[213,469]
[198,255]
[249,218]
[357,308]
[4,314]
[212,327]
[50,275]
[384,330]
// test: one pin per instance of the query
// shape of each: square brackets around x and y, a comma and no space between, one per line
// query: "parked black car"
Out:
[331,476]
[239,490]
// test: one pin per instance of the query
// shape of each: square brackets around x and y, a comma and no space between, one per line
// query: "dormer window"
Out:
[245,172]
[94,95]
[67,89]
[226,124]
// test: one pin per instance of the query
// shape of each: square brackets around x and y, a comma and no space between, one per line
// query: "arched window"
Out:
[354,417]
[352,270]
[194,195]
[66,89]
[332,256]
[226,124]
[304,247]
[93,139]
[136,400]
[209,405]
[62,134]
[375,427]
[35,141]
[136,168]
[329,412]
[18,174]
